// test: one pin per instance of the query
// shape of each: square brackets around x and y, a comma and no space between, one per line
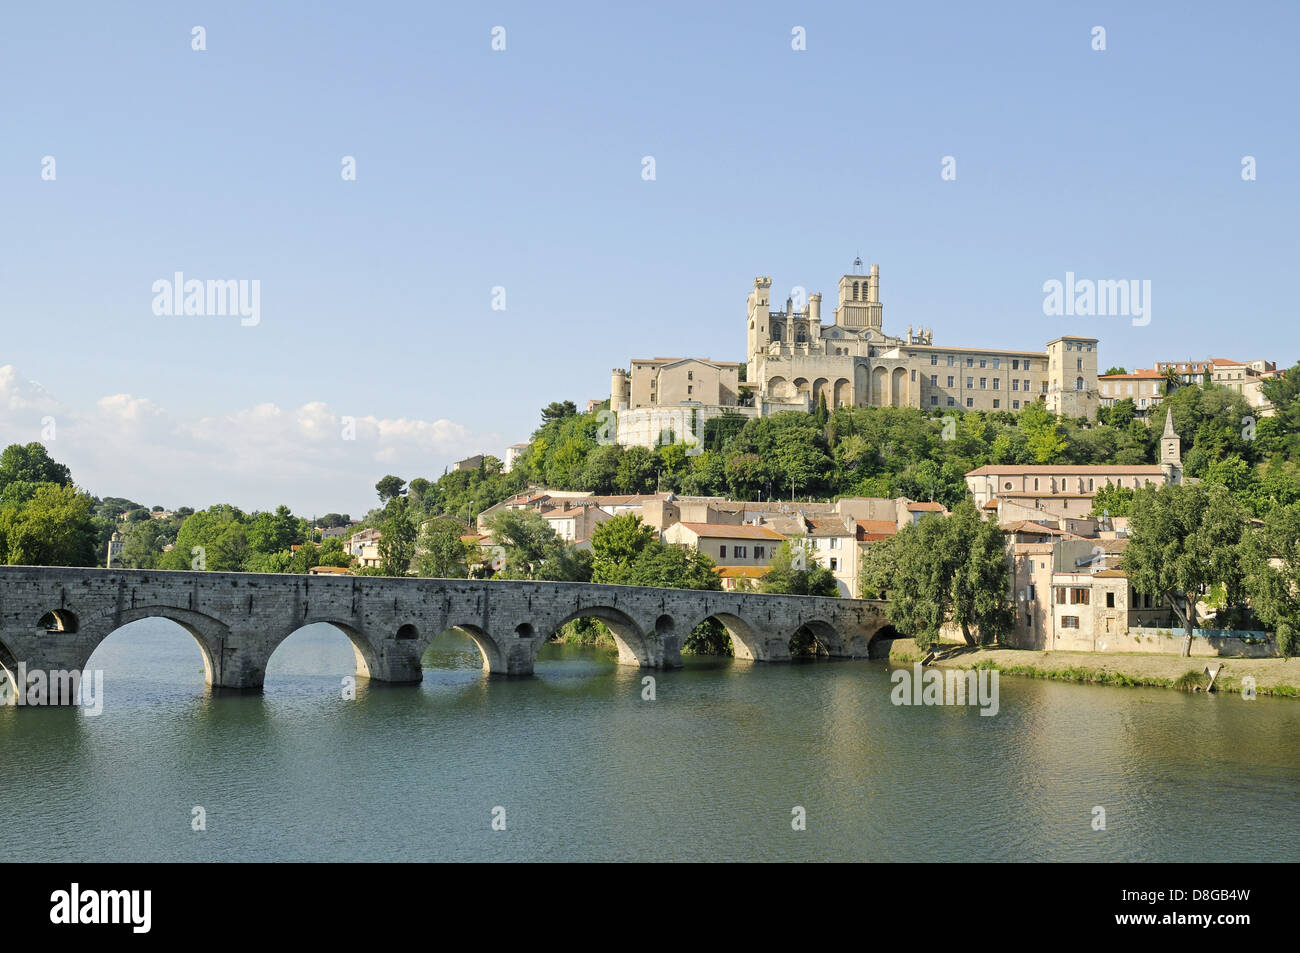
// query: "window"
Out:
[690,375]
[1078,364]
[934,380]
[1089,484]
[1015,365]
[1015,405]
[934,400]
[1078,383]
[834,564]
[722,551]
[1079,597]
[1069,621]
[949,380]
[970,401]
[689,388]
[1015,384]
[1033,595]
[1026,386]
[1060,595]
[759,552]
[984,383]
[996,363]
[983,362]
[970,383]
[739,552]
[914,373]
[950,360]
[1110,600]
[1035,483]
[970,362]
[934,359]
[996,403]
[995,382]
[951,402]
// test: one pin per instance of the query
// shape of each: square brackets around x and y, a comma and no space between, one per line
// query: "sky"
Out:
[502,246]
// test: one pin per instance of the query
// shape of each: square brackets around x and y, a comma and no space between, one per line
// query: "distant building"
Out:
[1146,388]
[1012,492]
[513,453]
[469,463]
[114,550]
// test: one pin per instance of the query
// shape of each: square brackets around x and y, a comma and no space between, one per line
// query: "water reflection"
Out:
[587,768]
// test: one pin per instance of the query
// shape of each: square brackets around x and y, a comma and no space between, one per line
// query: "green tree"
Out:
[31,463]
[796,572]
[390,487]
[53,528]
[1184,539]
[442,555]
[397,544]
[943,571]
[1271,561]
[616,545]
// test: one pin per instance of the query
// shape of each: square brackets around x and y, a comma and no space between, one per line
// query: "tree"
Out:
[54,528]
[674,567]
[794,571]
[442,555]
[1113,500]
[397,544]
[31,464]
[558,410]
[1271,561]
[616,545]
[944,571]
[1115,370]
[1183,539]
[389,488]
[528,540]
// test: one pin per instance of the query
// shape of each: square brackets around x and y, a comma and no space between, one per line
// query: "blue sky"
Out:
[522,169]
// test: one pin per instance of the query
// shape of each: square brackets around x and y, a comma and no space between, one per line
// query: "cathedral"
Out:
[794,362]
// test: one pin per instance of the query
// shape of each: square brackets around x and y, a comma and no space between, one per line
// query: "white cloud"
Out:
[255,457]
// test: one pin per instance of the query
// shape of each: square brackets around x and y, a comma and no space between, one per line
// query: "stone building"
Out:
[793,361]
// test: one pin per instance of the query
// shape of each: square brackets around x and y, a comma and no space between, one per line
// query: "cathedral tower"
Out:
[859,299]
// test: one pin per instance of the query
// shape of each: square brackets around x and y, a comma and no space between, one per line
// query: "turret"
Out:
[619,392]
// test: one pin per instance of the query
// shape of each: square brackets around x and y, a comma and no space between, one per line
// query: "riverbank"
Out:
[1273,676]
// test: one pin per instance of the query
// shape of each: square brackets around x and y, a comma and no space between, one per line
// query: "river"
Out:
[583,768]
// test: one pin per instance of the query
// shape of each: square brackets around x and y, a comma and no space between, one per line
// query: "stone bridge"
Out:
[52,619]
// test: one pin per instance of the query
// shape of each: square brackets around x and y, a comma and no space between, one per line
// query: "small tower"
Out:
[619,392]
[1171,451]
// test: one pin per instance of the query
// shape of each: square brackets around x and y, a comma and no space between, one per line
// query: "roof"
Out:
[1029,526]
[1055,469]
[1111,574]
[926,507]
[1144,374]
[723,531]
[327,571]
[741,572]
[827,527]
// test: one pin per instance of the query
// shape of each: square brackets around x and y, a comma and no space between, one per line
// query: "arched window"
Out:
[776,332]
[1078,383]
[800,335]
[855,291]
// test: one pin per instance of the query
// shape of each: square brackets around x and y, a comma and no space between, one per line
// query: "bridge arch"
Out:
[59,620]
[367,658]
[814,638]
[633,646]
[747,643]
[494,660]
[209,633]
